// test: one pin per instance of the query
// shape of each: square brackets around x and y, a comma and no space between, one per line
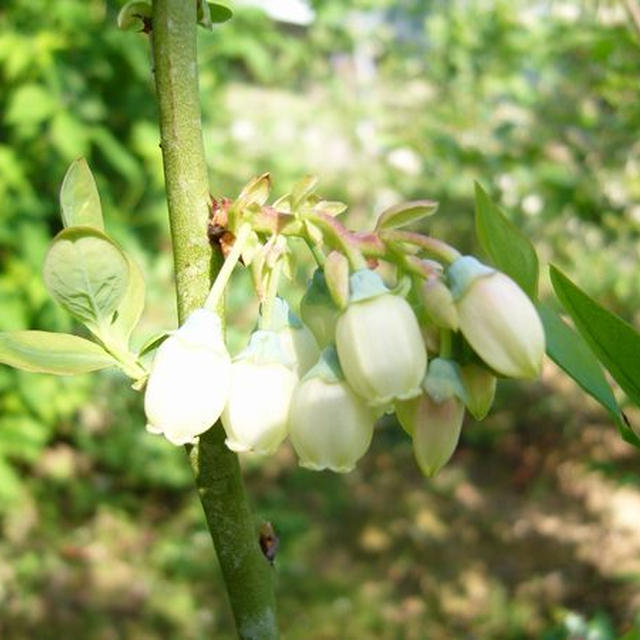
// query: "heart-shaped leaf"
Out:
[79,199]
[219,12]
[405,213]
[510,250]
[87,274]
[131,306]
[57,353]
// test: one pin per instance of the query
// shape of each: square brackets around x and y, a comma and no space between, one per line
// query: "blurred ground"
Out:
[535,521]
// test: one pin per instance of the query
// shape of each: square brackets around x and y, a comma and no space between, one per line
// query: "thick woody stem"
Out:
[246,571]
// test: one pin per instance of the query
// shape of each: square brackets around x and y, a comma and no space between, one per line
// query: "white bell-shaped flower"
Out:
[296,341]
[262,383]
[497,319]
[190,379]
[379,343]
[329,425]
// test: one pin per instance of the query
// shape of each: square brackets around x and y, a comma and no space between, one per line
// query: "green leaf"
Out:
[405,213]
[330,208]
[570,352]
[219,12]
[131,17]
[57,353]
[510,250]
[87,274]
[615,342]
[131,306]
[79,199]
[153,343]
[302,190]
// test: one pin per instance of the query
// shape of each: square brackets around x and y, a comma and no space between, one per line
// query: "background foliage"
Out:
[532,531]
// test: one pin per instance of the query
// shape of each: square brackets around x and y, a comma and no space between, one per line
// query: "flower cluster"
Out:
[428,345]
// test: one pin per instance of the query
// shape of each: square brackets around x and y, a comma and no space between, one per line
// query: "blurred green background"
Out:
[533,530]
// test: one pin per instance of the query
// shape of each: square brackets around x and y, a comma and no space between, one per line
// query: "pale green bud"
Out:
[296,341]
[329,425]
[497,319]
[190,379]
[438,303]
[262,383]
[318,311]
[435,428]
[379,343]
[480,387]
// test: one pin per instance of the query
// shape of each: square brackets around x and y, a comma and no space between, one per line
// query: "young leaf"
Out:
[131,306]
[79,199]
[302,189]
[219,12]
[510,250]
[87,274]
[571,353]
[615,342]
[133,14]
[405,213]
[57,353]
[330,207]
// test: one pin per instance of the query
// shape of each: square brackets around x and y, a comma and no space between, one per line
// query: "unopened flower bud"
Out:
[480,387]
[497,319]
[438,303]
[262,382]
[318,311]
[435,427]
[379,343]
[297,342]
[329,425]
[189,381]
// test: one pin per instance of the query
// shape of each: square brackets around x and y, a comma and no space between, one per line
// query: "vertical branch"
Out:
[246,572]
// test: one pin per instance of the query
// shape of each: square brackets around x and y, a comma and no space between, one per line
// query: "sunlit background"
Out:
[533,529]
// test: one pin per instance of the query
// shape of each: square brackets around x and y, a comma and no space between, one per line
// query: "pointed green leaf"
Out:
[220,12]
[405,213]
[302,190]
[79,199]
[256,191]
[510,250]
[330,208]
[131,306]
[87,274]
[57,353]
[570,352]
[615,342]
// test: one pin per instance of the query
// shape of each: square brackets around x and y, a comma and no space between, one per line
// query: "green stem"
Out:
[437,249]
[246,572]
[272,291]
[214,299]
[340,238]
[445,343]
